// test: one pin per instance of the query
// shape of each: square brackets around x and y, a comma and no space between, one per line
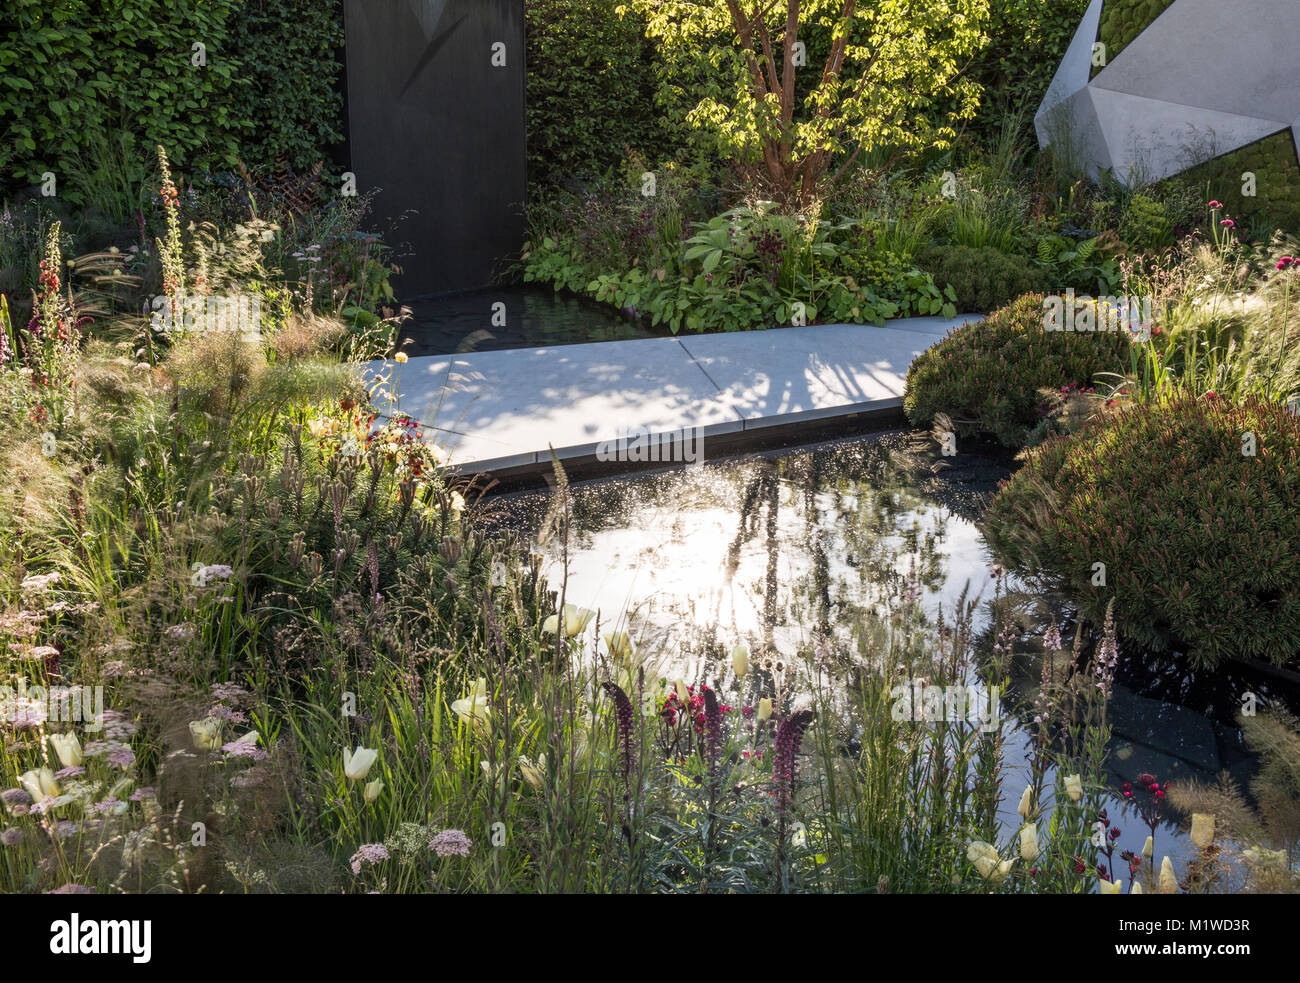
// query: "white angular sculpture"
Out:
[1204,78]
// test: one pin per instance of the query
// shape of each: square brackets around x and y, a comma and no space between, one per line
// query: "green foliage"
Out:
[747,268]
[122,69]
[70,69]
[1146,223]
[287,104]
[982,280]
[792,127]
[986,376]
[1197,537]
[1078,264]
[591,87]
[980,217]
[1026,40]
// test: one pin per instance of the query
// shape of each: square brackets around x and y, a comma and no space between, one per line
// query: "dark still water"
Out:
[512,317]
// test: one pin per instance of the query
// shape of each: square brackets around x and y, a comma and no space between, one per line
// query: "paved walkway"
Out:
[496,410]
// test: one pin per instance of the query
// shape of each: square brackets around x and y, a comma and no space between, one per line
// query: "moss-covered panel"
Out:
[1277,181]
[1123,20]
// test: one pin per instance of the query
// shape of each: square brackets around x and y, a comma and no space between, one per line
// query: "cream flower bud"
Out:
[1074,787]
[575,618]
[619,645]
[206,733]
[683,694]
[990,865]
[534,774]
[372,790]
[39,783]
[1026,802]
[357,764]
[1168,882]
[1202,829]
[1149,847]
[1029,842]
[1109,887]
[764,709]
[740,661]
[1137,887]
[68,748]
[473,707]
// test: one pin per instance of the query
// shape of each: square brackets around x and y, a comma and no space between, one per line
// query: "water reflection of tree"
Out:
[839,518]
[848,503]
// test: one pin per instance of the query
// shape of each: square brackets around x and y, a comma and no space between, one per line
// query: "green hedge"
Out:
[1198,539]
[95,85]
[982,279]
[1026,41]
[290,86]
[591,90]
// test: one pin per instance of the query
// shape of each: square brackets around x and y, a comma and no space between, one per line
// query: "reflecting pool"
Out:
[512,317]
[806,551]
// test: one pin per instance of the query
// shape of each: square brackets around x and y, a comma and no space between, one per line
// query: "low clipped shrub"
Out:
[1197,536]
[982,279]
[986,375]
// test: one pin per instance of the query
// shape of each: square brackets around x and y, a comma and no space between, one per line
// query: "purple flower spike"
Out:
[788,738]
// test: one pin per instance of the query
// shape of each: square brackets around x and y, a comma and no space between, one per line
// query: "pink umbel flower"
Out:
[368,853]
[450,842]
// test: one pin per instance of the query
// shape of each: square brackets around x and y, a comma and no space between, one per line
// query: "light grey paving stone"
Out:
[475,452]
[570,397]
[500,409]
[810,372]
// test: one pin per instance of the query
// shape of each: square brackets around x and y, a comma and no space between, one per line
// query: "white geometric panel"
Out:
[1236,56]
[1076,66]
[1204,78]
[1150,139]
[1076,119]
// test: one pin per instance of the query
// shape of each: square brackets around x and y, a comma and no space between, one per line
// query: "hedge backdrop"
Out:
[89,85]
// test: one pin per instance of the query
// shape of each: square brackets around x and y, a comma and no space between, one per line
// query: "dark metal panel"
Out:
[440,129]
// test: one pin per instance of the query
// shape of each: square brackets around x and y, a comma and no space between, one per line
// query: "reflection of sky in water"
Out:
[665,559]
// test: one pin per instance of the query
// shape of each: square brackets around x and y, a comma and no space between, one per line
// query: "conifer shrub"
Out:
[987,375]
[1198,535]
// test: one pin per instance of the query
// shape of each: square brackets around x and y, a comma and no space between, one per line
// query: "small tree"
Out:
[886,65]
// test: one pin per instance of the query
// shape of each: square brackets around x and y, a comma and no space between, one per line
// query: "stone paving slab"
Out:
[811,373]
[496,410]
